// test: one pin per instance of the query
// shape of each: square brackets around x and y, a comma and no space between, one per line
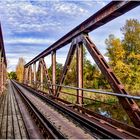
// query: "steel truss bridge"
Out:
[44,114]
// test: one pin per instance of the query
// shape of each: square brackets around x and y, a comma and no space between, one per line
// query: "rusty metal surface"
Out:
[66,65]
[111,11]
[78,36]
[45,127]
[45,69]
[53,71]
[127,104]
[79,59]
[60,122]
[90,113]
[41,75]
[97,126]
[31,128]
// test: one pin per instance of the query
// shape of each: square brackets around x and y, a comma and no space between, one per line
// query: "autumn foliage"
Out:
[20,69]
[124,55]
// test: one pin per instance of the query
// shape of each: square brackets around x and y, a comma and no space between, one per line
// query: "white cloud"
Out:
[69,8]
[50,19]
[29,41]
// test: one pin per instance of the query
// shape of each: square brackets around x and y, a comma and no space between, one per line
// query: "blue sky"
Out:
[30,26]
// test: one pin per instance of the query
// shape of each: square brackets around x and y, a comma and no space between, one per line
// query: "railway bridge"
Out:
[35,109]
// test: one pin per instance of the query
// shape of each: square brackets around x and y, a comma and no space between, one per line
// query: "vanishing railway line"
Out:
[94,127]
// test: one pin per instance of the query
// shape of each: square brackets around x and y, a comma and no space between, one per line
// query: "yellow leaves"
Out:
[20,69]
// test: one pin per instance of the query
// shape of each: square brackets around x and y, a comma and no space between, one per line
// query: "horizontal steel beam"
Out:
[95,91]
[111,11]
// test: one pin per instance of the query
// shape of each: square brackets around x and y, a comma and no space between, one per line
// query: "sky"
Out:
[30,26]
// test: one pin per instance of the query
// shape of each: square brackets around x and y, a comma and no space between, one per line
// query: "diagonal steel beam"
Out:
[66,65]
[47,75]
[111,11]
[38,69]
[129,105]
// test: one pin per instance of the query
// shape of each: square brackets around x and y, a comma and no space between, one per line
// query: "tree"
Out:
[12,75]
[59,68]
[131,43]
[124,55]
[20,69]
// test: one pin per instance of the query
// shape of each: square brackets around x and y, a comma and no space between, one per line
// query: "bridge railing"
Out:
[79,38]
[3,63]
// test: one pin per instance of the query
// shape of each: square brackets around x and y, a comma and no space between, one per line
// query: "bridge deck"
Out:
[11,122]
[63,124]
[22,112]
[13,119]
[16,121]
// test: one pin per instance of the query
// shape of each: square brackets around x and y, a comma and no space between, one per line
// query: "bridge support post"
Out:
[54,71]
[26,75]
[41,75]
[30,75]
[34,69]
[79,55]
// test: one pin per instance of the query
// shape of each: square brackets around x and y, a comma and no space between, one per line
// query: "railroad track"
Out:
[97,128]
[46,128]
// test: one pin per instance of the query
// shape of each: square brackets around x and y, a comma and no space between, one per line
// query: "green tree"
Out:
[59,68]
[12,75]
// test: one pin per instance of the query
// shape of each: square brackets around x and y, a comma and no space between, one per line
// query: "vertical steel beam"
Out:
[24,71]
[79,55]
[30,75]
[54,71]
[26,75]
[129,105]
[34,69]
[41,75]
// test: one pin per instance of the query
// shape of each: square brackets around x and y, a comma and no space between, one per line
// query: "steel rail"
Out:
[92,126]
[53,132]
[67,93]
[111,11]
[97,91]
[116,123]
